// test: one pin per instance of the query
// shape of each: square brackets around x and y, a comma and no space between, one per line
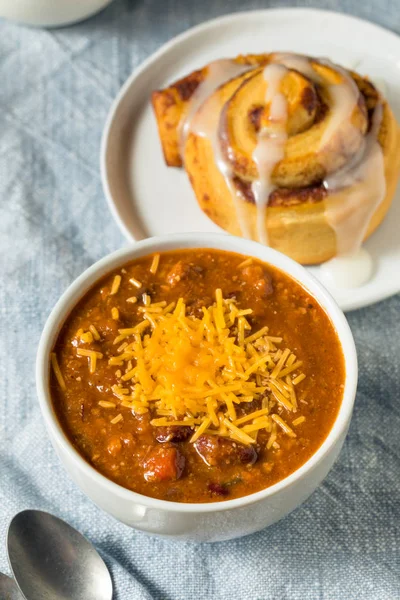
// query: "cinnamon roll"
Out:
[293,151]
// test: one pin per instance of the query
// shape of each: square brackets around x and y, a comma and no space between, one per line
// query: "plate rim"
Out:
[184,36]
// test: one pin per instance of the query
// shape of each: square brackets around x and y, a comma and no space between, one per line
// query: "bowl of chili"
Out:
[195,386]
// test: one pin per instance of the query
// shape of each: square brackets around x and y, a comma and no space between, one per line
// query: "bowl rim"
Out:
[221,241]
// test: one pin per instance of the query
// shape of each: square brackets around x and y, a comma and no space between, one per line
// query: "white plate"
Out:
[148,198]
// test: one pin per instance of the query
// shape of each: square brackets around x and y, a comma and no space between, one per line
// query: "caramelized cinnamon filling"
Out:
[284,196]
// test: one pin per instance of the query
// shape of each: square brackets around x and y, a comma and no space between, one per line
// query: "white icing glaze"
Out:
[344,97]
[237,197]
[270,148]
[347,271]
[218,73]
[206,123]
[364,187]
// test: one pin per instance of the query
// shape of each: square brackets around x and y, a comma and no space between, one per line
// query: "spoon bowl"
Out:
[50,560]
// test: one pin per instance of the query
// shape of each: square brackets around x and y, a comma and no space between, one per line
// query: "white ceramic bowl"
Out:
[50,13]
[217,520]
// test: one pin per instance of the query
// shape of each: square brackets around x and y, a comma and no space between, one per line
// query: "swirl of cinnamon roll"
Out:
[295,152]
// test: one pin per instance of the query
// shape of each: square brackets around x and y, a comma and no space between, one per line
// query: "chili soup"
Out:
[197,376]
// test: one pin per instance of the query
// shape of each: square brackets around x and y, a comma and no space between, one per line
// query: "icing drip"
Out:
[206,123]
[218,73]
[349,271]
[344,97]
[270,147]
[362,181]
[364,187]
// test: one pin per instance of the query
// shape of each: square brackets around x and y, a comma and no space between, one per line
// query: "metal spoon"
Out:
[50,560]
[8,589]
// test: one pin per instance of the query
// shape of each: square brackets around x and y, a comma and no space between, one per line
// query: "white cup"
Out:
[50,13]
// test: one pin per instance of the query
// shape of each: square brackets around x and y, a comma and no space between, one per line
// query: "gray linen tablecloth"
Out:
[55,90]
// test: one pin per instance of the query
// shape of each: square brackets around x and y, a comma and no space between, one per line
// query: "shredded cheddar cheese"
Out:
[92,355]
[298,379]
[94,332]
[199,372]
[135,282]
[116,419]
[57,371]
[87,338]
[298,421]
[202,372]
[106,404]
[115,285]
[245,263]
[154,264]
